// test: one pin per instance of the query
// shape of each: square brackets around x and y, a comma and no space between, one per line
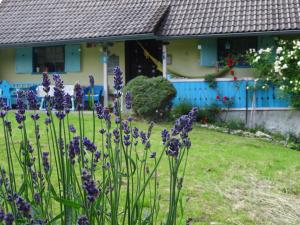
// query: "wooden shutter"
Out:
[23,60]
[72,58]
[209,52]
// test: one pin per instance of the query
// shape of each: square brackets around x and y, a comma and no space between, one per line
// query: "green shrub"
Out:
[182,108]
[210,114]
[151,97]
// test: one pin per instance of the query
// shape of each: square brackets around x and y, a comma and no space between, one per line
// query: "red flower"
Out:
[230,62]
[232,72]
[235,78]
[218,97]
[225,98]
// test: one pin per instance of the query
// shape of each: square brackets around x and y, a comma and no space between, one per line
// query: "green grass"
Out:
[230,179]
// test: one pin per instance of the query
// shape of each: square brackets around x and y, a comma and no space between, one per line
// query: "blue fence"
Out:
[199,94]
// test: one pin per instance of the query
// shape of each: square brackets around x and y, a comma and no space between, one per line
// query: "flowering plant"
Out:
[102,179]
[281,66]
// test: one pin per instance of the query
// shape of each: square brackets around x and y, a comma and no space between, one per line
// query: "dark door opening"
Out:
[136,62]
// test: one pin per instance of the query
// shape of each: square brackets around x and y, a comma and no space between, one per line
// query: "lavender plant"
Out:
[102,179]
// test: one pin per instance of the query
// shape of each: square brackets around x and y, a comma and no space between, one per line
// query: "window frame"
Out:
[231,40]
[35,62]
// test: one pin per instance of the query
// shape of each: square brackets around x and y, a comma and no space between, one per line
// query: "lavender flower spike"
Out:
[83,220]
[58,93]
[78,96]
[118,79]
[46,83]
[92,81]
[128,100]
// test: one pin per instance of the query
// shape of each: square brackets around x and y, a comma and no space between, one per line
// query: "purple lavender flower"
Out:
[92,81]
[125,127]
[118,79]
[58,93]
[97,156]
[143,137]
[3,113]
[9,219]
[3,108]
[20,117]
[173,147]
[106,114]
[60,115]
[89,186]
[23,207]
[116,109]
[89,145]
[47,121]
[116,134]
[46,83]
[128,100]
[21,102]
[67,103]
[102,131]
[74,148]
[30,148]
[7,124]
[46,163]
[37,198]
[99,110]
[117,120]
[135,132]
[2,214]
[165,136]
[184,124]
[153,155]
[35,116]
[72,129]
[32,100]
[83,220]
[78,96]
[127,141]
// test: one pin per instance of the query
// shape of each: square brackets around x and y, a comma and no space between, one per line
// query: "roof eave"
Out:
[82,40]
[241,34]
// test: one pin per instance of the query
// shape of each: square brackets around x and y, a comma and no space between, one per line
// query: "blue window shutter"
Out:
[72,58]
[209,52]
[23,60]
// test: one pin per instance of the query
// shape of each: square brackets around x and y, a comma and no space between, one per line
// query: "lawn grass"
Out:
[230,179]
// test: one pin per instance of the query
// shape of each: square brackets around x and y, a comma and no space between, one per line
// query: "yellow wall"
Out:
[90,64]
[186,59]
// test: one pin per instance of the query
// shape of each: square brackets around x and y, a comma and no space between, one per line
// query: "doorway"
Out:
[137,64]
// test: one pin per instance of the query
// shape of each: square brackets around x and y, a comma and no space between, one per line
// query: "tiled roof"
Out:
[204,17]
[40,21]
[23,21]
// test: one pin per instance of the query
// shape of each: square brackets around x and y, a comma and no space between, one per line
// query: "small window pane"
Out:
[49,59]
[236,48]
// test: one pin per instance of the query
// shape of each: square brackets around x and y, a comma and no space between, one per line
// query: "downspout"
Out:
[105,76]
[164,59]
[247,95]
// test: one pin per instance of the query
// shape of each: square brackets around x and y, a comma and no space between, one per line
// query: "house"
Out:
[81,37]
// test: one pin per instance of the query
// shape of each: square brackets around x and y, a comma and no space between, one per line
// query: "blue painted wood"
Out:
[199,94]
[5,88]
[208,52]
[23,60]
[72,58]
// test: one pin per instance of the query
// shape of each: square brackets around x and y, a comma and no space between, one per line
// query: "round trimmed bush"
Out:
[151,97]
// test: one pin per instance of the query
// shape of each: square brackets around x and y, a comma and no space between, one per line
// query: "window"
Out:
[49,59]
[236,48]
[113,61]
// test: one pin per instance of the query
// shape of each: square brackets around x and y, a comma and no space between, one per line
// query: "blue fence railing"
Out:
[199,94]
